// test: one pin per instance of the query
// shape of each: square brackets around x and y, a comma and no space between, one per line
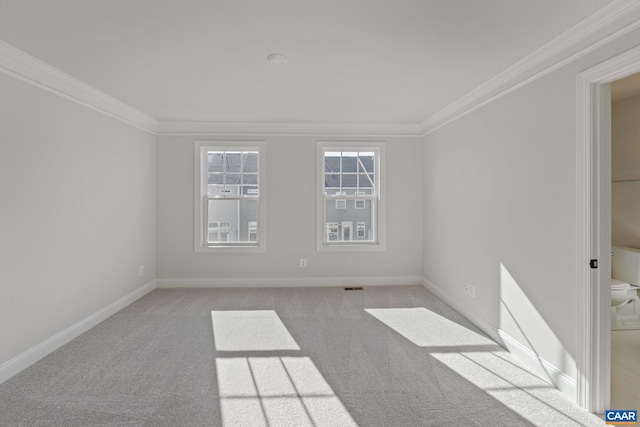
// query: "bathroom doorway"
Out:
[625,231]
[593,227]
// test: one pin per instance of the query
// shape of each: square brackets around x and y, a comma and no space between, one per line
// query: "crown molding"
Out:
[208,128]
[24,67]
[595,31]
[607,24]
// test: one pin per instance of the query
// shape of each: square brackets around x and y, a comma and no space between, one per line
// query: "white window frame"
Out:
[201,223]
[379,244]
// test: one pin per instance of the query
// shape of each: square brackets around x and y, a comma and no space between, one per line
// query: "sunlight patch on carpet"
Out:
[427,329]
[282,391]
[516,388]
[250,330]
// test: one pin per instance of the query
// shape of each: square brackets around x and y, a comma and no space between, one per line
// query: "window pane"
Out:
[349,174]
[230,193]
[367,160]
[364,180]
[352,223]
[331,181]
[232,179]
[331,164]
[232,220]
[349,163]
[233,162]
[214,161]
[215,178]
[250,179]
[349,180]
[250,162]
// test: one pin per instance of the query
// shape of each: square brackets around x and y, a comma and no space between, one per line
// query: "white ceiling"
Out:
[350,61]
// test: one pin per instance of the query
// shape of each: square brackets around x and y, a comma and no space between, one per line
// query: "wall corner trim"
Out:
[537,365]
[24,67]
[24,360]
[604,26]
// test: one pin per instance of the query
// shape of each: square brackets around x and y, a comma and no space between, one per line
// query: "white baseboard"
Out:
[34,354]
[536,364]
[288,282]
[540,367]
[480,322]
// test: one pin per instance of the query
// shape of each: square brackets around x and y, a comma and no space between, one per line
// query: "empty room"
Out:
[332,213]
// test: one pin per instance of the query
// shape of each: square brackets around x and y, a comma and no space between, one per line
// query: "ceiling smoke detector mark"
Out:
[277,59]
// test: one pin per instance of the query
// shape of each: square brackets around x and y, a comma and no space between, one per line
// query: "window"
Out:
[350,192]
[331,232]
[229,211]
[219,231]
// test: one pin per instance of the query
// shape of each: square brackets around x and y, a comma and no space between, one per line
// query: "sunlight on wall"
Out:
[485,365]
[516,388]
[425,328]
[250,330]
[520,320]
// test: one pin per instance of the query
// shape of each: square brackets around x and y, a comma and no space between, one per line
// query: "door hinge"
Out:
[593,263]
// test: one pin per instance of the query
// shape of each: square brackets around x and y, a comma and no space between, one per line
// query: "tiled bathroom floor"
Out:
[625,370]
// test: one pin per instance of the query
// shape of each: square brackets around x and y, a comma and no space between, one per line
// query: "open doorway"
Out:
[593,222]
[625,233]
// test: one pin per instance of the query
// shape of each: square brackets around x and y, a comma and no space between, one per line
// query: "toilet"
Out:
[625,278]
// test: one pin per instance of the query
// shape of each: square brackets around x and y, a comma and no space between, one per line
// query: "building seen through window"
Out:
[232,196]
[350,196]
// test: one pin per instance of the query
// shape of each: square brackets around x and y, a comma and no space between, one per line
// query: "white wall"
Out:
[77,214]
[291,218]
[500,211]
[625,151]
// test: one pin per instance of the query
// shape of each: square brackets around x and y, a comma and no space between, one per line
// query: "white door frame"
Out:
[593,221]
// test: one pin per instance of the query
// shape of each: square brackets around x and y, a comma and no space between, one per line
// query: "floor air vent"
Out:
[357,288]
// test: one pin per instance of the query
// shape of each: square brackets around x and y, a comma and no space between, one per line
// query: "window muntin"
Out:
[230,201]
[349,172]
[231,216]
[232,172]
[229,209]
[350,195]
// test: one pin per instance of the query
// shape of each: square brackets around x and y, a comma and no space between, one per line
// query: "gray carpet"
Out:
[383,356]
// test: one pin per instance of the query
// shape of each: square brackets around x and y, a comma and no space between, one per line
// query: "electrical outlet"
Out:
[303,263]
[470,289]
[141,271]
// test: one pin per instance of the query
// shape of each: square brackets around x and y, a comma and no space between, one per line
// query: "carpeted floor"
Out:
[383,356]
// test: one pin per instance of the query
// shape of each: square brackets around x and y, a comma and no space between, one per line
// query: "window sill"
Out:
[230,249]
[338,247]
